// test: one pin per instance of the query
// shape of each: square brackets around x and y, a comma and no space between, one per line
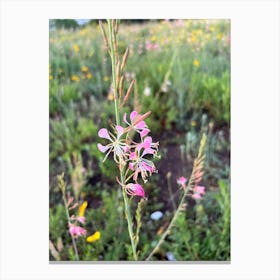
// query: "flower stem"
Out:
[68,218]
[112,45]
[112,41]
[167,231]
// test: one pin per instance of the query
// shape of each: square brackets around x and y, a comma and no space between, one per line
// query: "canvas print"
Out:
[139,140]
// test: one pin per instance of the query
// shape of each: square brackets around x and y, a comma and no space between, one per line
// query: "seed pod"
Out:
[128,91]
[121,87]
[104,34]
[118,73]
[124,58]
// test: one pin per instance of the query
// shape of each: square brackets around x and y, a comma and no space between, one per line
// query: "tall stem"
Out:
[167,231]
[68,218]
[112,40]
[112,43]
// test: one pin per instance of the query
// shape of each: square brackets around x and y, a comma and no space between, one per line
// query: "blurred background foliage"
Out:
[182,72]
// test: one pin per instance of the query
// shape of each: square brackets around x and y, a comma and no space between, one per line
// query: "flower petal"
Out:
[140,125]
[144,132]
[94,237]
[102,148]
[149,151]
[103,133]
[133,115]
[120,131]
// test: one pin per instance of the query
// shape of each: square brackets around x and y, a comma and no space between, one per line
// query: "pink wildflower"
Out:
[117,145]
[138,126]
[81,219]
[141,165]
[182,181]
[135,190]
[198,191]
[77,231]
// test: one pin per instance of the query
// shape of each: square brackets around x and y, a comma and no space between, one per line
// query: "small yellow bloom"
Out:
[82,209]
[94,237]
[154,38]
[193,123]
[50,77]
[110,96]
[75,78]
[76,48]
[219,36]
[89,76]
[196,63]
[84,68]
[106,79]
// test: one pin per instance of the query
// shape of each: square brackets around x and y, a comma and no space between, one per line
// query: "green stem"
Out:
[113,59]
[167,231]
[68,218]
[112,42]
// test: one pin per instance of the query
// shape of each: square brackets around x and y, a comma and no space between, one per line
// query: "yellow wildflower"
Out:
[196,63]
[76,48]
[84,68]
[75,78]
[94,237]
[82,209]
[219,36]
[106,79]
[154,38]
[110,96]
[50,77]
[89,76]
[193,123]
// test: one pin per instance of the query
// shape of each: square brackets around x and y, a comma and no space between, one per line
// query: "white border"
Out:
[24,138]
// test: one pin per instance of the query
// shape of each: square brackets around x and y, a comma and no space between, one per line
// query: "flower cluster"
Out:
[74,229]
[132,150]
[197,191]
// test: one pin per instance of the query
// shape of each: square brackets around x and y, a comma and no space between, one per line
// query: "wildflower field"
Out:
[139,152]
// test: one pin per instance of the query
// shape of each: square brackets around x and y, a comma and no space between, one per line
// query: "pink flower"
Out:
[198,191]
[182,181]
[77,231]
[141,165]
[148,146]
[135,190]
[81,219]
[139,126]
[117,145]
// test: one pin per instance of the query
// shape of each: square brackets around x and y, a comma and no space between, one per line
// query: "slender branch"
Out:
[195,176]
[167,231]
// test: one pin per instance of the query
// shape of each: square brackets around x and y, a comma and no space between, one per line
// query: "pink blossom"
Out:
[198,191]
[117,145]
[138,126]
[196,196]
[148,146]
[151,46]
[77,231]
[182,181]
[81,219]
[135,190]
[141,165]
